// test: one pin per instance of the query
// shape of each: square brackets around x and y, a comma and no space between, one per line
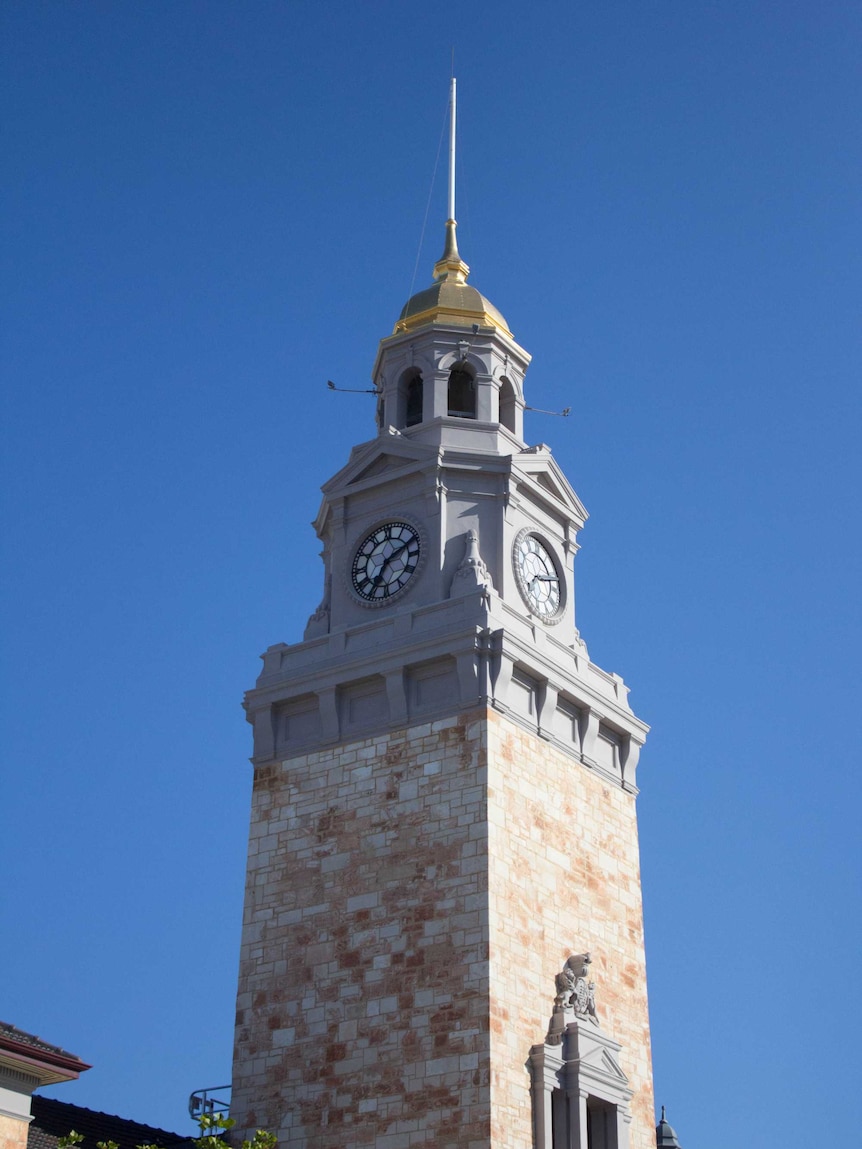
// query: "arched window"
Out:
[414,401]
[462,392]
[409,399]
[507,404]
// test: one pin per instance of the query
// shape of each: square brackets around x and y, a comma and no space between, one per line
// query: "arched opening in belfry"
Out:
[414,401]
[507,404]
[410,399]
[462,392]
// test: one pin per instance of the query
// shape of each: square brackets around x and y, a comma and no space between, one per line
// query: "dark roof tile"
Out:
[53,1119]
[12,1033]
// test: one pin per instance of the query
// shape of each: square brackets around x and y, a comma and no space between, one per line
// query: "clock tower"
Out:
[442,939]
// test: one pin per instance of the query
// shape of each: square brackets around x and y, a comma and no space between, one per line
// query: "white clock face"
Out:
[538,577]
[385,561]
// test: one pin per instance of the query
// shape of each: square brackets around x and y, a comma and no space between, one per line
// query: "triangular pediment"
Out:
[537,468]
[611,1066]
[594,1051]
[549,485]
[387,458]
[376,459]
[379,466]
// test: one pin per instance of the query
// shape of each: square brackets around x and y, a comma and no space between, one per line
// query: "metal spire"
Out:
[452,100]
[450,265]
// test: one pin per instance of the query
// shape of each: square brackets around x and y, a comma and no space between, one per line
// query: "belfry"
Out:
[442,939]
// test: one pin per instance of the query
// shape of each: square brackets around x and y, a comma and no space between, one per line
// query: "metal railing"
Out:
[207,1101]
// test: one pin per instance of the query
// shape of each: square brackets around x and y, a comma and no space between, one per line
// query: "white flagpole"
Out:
[452,151]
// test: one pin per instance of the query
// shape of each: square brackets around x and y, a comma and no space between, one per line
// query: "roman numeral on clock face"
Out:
[385,561]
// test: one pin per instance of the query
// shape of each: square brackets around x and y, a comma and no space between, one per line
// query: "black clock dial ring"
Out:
[385,562]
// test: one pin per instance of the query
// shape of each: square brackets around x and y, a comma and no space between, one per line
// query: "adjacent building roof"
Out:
[54,1119]
[665,1135]
[26,1053]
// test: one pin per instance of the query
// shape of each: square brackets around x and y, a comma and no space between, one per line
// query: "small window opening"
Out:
[601,1125]
[408,399]
[462,393]
[414,402]
[507,404]
[559,1125]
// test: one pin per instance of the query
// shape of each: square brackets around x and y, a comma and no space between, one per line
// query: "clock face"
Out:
[538,577]
[385,561]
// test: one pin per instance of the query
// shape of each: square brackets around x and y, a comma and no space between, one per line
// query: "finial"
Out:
[665,1134]
[472,573]
[450,265]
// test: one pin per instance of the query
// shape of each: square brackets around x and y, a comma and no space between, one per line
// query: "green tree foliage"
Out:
[213,1126]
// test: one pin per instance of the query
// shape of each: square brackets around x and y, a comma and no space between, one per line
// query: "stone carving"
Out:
[576,995]
[472,573]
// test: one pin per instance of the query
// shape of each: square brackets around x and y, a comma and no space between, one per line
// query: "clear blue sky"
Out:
[210,208]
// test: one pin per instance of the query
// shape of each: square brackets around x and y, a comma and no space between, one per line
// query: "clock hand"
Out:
[380,578]
[394,555]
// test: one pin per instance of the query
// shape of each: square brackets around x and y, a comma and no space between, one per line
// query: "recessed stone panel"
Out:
[362,704]
[433,686]
[297,723]
[524,694]
[607,750]
[567,722]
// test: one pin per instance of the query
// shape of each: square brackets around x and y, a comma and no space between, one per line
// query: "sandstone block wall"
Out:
[13,1132]
[410,898]
[564,877]
[362,1008]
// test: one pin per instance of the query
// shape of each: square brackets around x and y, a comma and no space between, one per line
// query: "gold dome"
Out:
[450,299]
